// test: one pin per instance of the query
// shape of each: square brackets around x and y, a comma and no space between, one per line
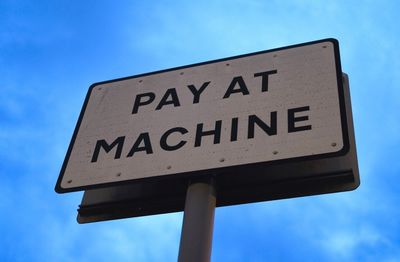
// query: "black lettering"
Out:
[234,129]
[146,147]
[174,99]
[119,142]
[292,119]
[242,87]
[164,137]
[138,101]
[200,133]
[196,93]
[270,130]
[264,78]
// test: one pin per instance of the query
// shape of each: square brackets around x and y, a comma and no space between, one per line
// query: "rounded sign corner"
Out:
[79,219]
[344,150]
[332,40]
[92,86]
[355,185]
[59,189]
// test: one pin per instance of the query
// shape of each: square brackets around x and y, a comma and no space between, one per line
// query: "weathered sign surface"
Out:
[268,107]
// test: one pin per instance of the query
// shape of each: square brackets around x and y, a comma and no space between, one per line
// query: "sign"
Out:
[248,184]
[271,107]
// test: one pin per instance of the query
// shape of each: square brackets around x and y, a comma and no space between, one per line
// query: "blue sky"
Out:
[50,53]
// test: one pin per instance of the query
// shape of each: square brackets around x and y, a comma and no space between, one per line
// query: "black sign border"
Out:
[196,174]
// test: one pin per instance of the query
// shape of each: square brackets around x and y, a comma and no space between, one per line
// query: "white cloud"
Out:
[347,245]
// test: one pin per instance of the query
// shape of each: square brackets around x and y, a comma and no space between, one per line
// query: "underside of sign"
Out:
[270,119]
[247,184]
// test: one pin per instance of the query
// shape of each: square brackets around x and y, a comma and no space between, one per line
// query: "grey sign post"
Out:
[198,221]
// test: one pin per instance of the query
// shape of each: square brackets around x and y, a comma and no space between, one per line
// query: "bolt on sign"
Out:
[232,115]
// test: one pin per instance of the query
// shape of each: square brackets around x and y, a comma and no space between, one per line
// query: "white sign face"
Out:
[283,104]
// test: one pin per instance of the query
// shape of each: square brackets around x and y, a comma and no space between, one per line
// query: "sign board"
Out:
[246,185]
[220,117]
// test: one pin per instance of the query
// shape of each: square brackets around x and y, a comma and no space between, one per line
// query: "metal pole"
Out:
[198,222]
